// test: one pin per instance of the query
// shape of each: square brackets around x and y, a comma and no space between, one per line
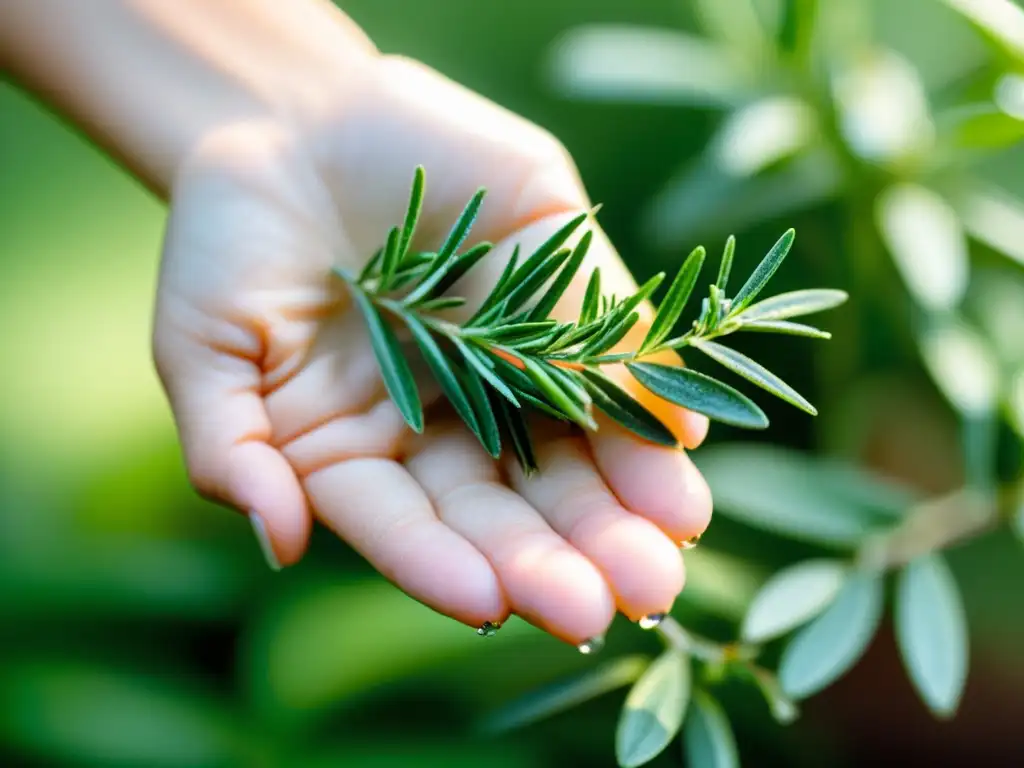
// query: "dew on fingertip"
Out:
[489,629]
[651,620]
[591,646]
[690,543]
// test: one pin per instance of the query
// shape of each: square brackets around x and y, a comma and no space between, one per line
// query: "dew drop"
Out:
[651,620]
[591,646]
[690,543]
[489,629]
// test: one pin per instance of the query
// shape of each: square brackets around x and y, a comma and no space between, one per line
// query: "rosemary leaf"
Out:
[550,299]
[725,268]
[792,304]
[675,301]
[398,378]
[753,372]
[764,271]
[699,393]
[620,406]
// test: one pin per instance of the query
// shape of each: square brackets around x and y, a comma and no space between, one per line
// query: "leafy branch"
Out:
[510,356]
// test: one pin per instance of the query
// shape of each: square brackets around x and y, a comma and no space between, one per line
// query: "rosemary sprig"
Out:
[510,356]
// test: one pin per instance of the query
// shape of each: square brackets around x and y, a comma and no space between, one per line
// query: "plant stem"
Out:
[939,524]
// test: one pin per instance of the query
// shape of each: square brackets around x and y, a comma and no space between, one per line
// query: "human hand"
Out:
[281,408]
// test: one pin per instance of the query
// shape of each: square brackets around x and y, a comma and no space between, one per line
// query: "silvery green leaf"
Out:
[923,234]
[699,393]
[981,126]
[737,24]
[705,198]
[995,217]
[654,710]
[567,693]
[931,631]
[754,372]
[800,496]
[829,646]
[782,707]
[708,740]
[1001,21]
[646,64]
[785,327]
[792,597]
[962,365]
[764,271]
[791,304]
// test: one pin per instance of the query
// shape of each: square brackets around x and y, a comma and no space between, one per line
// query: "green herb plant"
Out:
[510,358]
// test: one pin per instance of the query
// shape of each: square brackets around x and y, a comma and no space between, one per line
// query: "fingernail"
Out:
[260,529]
[489,628]
[690,543]
[651,620]
[591,645]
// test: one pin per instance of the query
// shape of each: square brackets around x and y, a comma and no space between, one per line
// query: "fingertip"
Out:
[263,485]
[659,483]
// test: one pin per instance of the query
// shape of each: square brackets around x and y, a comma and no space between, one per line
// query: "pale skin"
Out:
[285,143]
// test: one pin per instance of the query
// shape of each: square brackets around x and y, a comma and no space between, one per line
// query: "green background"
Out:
[139,625]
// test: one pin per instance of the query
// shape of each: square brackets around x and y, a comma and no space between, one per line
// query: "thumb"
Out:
[215,395]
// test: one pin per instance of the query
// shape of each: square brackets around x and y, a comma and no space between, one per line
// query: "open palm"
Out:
[281,408]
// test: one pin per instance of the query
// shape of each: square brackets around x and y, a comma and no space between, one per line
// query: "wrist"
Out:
[148,80]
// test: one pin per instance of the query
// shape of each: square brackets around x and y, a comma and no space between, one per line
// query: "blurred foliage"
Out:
[139,626]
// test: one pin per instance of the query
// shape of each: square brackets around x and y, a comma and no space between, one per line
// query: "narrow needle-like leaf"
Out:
[786,327]
[764,271]
[398,378]
[555,393]
[591,299]
[412,213]
[620,406]
[678,294]
[550,298]
[532,282]
[519,435]
[371,266]
[498,292]
[390,261]
[458,233]
[725,268]
[699,393]
[488,434]
[443,372]
[792,304]
[460,267]
[478,361]
[754,372]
